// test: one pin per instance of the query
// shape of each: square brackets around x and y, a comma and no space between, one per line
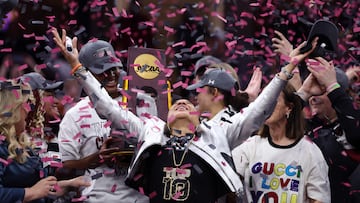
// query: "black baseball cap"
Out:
[216,78]
[37,81]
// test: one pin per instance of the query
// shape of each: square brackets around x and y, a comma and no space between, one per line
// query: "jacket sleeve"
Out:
[248,120]
[348,116]
[9,195]
[106,106]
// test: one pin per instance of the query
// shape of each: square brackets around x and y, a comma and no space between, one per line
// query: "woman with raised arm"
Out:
[182,159]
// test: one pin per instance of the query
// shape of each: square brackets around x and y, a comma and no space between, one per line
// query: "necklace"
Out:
[181,160]
[180,144]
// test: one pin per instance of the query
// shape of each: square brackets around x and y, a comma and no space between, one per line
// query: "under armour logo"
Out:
[211,82]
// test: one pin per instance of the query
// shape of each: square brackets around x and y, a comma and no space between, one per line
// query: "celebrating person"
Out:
[280,164]
[84,136]
[21,171]
[182,159]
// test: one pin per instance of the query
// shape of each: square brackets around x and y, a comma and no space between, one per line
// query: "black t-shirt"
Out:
[192,181]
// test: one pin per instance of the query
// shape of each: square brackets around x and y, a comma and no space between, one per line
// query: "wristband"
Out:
[75,68]
[332,87]
[288,75]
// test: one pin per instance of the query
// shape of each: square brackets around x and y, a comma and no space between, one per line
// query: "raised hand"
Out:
[281,44]
[296,56]
[310,87]
[254,87]
[71,57]
[323,71]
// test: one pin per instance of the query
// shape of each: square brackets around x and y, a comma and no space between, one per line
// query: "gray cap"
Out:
[206,61]
[98,56]
[37,81]
[216,78]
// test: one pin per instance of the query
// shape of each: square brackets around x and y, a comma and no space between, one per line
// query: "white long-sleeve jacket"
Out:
[216,141]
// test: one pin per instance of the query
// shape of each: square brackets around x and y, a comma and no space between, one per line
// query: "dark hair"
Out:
[237,101]
[295,126]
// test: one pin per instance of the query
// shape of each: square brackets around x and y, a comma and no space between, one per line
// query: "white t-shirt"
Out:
[277,174]
[81,134]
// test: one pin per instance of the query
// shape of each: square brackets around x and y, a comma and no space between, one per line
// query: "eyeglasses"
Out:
[100,53]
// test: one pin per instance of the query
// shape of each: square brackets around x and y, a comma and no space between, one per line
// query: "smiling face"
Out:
[183,109]
[51,106]
[110,80]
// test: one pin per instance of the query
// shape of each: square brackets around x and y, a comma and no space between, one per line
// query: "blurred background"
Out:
[236,31]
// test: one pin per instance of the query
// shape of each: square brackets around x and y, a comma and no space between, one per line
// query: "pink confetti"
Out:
[152,195]
[149,23]
[80,199]
[200,90]
[141,190]
[186,166]
[16,94]
[27,107]
[128,77]
[72,22]
[115,11]
[107,124]
[77,135]
[40,66]
[21,26]
[195,113]
[128,29]
[137,177]
[83,117]
[109,172]
[5,162]
[186,73]
[216,14]
[171,15]
[178,84]
[85,126]
[180,171]
[113,188]
[41,173]
[356,29]
[177,195]
[6,50]
[125,94]
[46,159]
[162,82]
[56,164]
[182,43]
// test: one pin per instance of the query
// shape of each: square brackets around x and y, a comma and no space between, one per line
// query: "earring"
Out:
[287,115]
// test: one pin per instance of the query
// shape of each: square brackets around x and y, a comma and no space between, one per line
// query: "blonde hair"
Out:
[13,95]
[35,119]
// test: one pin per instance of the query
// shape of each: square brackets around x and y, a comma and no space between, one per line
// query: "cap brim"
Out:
[196,85]
[51,86]
[104,67]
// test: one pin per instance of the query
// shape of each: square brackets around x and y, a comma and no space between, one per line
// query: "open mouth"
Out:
[182,108]
[111,83]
